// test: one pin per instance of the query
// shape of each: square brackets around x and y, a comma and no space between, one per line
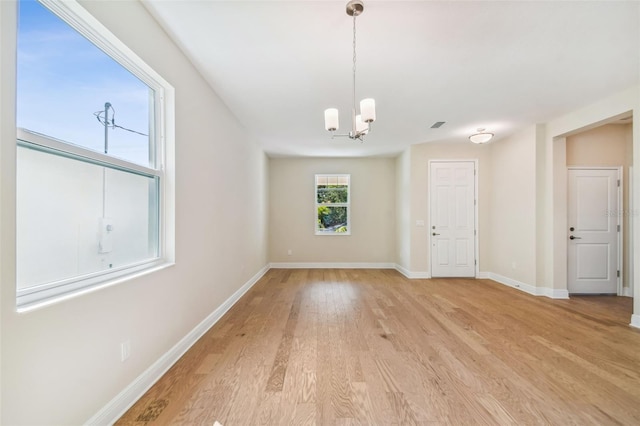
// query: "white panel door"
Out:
[452,197]
[593,231]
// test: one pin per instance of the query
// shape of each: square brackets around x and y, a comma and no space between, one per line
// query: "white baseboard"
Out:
[412,275]
[528,288]
[627,292]
[553,293]
[115,408]
[635,321]
[482,275]
[331,265]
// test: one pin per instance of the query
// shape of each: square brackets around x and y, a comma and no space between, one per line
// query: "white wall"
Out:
[61,364]
[292,211]
[420,156]
[403,211]
[513,207]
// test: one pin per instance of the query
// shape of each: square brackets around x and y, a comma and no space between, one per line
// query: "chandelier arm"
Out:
[353,136]
[342,135]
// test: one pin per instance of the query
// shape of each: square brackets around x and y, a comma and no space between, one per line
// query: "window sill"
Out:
[34,304]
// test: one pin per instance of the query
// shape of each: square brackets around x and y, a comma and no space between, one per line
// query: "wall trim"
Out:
[553,293]
[626,291]
[635,321]
[483,275]
[510,282]
[412,275]
[115,408]
[331,265]
[528,288]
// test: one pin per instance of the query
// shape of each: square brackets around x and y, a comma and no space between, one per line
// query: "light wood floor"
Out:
[370,347]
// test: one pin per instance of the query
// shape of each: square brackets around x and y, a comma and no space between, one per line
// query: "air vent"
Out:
[437,124]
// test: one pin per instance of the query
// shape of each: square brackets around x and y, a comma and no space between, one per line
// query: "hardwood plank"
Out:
[346,347]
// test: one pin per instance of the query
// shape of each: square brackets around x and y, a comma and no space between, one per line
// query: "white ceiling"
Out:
[501,65]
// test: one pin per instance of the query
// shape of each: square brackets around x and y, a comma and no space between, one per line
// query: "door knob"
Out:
[434,234]
[575,238]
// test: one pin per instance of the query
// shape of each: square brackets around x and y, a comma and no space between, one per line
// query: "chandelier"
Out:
[360,123]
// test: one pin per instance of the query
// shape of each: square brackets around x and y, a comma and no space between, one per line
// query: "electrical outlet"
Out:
[125,350]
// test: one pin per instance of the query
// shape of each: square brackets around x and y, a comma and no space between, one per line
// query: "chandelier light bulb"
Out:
[361,126]
[331,119]
[368,110]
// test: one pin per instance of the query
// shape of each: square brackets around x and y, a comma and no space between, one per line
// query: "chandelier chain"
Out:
[354,61]
[354,44]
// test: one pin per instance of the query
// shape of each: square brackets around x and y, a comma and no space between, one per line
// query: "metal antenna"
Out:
[107,105]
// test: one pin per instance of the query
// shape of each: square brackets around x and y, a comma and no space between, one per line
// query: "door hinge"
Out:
[475,262]
[618,182]
[618,228]
[618,274]
[475,232]
[475,202]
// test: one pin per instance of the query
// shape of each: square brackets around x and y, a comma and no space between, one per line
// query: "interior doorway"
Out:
[600,157]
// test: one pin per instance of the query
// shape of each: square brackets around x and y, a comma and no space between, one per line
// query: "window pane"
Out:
[65,82]
[64,209]
[332,194]
[332,219]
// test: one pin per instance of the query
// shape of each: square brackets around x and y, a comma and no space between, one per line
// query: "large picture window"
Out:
[333,202]
[92,156]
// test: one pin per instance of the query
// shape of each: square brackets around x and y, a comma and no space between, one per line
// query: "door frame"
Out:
[476,203]
[620,222]
[630,245]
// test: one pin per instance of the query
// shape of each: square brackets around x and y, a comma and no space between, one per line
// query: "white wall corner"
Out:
[412,275]
[553,293]
[115,408]
[635,321]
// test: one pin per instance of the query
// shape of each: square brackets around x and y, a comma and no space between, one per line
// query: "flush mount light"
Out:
[481,137]
[360,123]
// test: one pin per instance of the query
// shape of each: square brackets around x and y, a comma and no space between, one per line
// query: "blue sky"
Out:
[63,79]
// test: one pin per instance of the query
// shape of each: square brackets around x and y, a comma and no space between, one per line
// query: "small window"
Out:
[333,205]
[91,156]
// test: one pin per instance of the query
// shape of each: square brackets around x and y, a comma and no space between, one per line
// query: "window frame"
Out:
[162,168]
[347,204]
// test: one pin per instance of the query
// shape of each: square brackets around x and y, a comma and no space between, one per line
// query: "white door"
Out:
[452,189]
[593,231]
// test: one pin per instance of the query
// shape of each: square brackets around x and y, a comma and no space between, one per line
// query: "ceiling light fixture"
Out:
[360,123]
[481,137]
